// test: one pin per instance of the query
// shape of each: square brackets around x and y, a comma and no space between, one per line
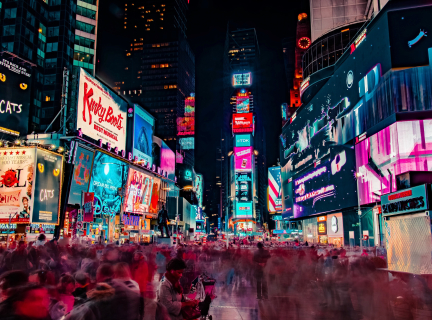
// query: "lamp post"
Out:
[358,175]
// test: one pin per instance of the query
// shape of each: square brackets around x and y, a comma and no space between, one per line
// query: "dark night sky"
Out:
[207,26]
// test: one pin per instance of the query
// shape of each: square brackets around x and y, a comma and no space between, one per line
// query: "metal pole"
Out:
[359,212]
[7,238]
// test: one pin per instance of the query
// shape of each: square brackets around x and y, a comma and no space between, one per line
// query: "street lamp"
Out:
[358,175]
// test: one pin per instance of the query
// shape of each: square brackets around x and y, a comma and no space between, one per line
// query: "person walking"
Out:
[260,260]
[162,221]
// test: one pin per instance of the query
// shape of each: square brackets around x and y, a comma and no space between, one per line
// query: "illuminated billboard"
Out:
[189,107]
[242,79]
[81,174]
[401,147]
[17,170]
[186,175]
[187,143]
[185,126]
[47,187]
[274,193]
[108,175]
[243,158]
[242,122]
[243,140]
[199,188]
[244,210]
[138,194]
[164,157]
[101,114]
[143,134]
[243,181]
[154,208]
[15,83]
[242,104]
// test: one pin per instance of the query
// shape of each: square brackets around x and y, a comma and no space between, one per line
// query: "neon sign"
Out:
[421,34]
[358,40]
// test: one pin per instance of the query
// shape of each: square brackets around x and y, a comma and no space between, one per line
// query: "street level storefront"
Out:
[335,232]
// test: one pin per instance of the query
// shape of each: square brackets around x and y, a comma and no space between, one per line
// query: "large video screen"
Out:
[185,126]
[244,186]
[15,83]
[81,174]
[101,114]
[275,194]
[243,158]
[138,194]
[401,147]
[157,184]
[331,185]
[244,210]
[242,122]
[164,157]
[143,134]
[242,104]
[108,175]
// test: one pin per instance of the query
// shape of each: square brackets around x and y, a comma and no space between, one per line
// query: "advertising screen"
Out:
[187,143]
[81,174]
[155,195]
[15,81]
[244,186]
[17,169]
[138,194]
[47,189]
[185,175]
[328,186]
[189,107]
[242,79]
[185,126]
[275,195]
[143,134]
[242,104]
[244,210]
[243,158]
[101,114]
[243,140]
[401,147]
[164,157]
[108,175]
[242,122]
[199,187]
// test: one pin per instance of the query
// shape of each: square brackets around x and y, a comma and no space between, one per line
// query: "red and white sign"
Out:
[101,113]
[242,122]
[88,207]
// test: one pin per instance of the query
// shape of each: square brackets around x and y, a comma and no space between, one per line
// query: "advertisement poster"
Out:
[108,175]
[244,209]
[242,79]
[164,157]
[244,186]
[143,134]
[15,81]
[16,184]
[185,126]
[242,122]
[138,195]
[190,107]
[243,140]
[155,196]
[101,114]
[47,187]
[243,158]
[88,207]
[81,174]
[275,196]
[242,104]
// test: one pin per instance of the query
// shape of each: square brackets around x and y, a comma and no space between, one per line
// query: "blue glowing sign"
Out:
[243,140]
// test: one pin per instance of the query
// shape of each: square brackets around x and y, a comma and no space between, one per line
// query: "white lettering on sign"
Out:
[46,194]
[9,107]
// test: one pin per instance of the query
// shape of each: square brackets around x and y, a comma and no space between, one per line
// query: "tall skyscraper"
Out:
[53,36]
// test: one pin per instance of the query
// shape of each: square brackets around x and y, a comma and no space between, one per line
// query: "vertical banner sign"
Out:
[143,134]
[275,197]
[47,189]
[81,174]
[88,207]
[16,184]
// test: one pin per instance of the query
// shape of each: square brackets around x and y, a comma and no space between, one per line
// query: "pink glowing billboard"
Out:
[243,158]
[401,147]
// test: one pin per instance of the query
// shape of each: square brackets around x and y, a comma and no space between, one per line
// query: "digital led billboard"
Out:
[401,147]
[331,185]
[243,181]
[143,134]
[17,170]
[185,126]
[101,114]
[187,143]
[164,157]
[81,174]
[157,184]
[243,140]
[47,188]
[275,194]
[15,81]
[242,122]
[138,194]
[108,175]
[242,104]
[199,188]
[242,79]
[186,175]
[244,210]
[189,107]
[243,158]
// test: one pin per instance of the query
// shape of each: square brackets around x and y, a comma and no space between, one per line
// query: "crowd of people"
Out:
[56,280]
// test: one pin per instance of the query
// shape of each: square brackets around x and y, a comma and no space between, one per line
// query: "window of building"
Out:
[89,28]
[87,12]
[9,30]
[149,20]
[42,29]
[8,46]
[54,2]
[51,63]
[50,79]
[29,35]
[10,13]
[84,42]
[52,47]
[53,32]
[54,16]
[83,57]
[30,18]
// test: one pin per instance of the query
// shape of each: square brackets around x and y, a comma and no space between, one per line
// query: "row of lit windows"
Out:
[137,44]
[157,45]
[162,65]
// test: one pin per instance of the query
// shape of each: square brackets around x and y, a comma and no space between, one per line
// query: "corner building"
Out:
[366,119]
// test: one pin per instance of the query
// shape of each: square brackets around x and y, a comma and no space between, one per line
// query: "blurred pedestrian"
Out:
[260,259]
